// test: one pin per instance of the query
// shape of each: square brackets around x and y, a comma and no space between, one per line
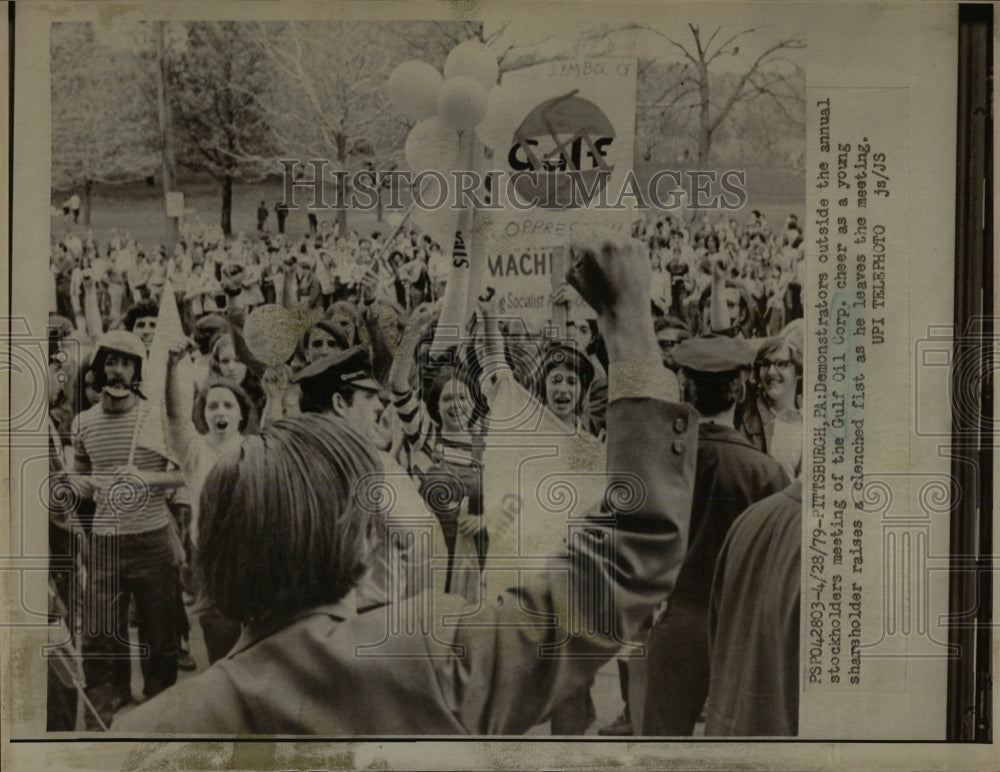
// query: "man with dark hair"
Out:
[730,474]
[669,332]
[341,385]
[141,319]
[281,210]
[299,669]
[131,548]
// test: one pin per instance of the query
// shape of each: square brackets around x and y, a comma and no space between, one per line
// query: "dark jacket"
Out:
[754,622]
[730,476]
[495,669]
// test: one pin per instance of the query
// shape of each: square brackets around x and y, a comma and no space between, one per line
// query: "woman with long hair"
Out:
[290,519]
[223,414]
[225,364]
[443,449]
[770,417]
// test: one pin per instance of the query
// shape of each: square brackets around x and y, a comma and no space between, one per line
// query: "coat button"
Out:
[678,446]
[680,425]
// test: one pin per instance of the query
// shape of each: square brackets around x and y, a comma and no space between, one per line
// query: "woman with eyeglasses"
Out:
[771,417]
[291,517]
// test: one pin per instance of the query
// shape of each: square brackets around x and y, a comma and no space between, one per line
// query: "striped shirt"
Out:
[425,445]
[102,440]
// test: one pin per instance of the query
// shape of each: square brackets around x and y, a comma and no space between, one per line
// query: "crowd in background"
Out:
[374,300]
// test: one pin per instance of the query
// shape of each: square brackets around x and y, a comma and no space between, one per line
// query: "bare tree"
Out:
[772,129]
[329,100]
[222,130]
[432,41]
[771,75]
[663,91]
[100,132]
[514,50]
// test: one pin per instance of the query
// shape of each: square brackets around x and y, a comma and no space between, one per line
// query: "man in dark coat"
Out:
[281,209]
[754,622]
[730,475]
[461,669]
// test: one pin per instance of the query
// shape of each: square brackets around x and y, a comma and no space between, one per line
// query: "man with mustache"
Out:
[131,548]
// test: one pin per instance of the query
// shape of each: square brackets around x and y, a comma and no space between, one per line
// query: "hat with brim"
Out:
[713,354]
[350,368]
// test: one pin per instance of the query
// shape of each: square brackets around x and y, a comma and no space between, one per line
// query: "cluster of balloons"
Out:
[443,106]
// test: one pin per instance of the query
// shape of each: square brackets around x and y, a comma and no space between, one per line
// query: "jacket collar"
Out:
[708,430]
[254,632]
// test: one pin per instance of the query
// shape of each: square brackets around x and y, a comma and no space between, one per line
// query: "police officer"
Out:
[730,475]
[341,384]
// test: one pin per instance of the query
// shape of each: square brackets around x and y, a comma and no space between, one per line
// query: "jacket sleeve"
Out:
[530,647]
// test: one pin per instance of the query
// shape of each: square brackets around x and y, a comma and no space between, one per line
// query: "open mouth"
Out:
[221,424]
[562,402]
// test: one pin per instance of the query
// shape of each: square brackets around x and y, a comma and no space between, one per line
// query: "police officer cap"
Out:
[351,367]
[713,354]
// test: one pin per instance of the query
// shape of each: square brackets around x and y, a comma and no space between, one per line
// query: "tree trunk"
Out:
[88,186]
[227,205]
[704,147]
[166,135]
[342,183]
[704,117]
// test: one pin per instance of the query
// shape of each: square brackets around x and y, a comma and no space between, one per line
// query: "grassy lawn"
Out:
[138,207]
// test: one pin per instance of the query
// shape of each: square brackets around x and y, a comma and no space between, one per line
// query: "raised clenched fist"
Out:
[612,273]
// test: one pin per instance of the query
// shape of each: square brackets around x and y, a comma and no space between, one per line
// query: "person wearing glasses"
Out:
[730,475]
[289,525]
[771,418]
[669,332]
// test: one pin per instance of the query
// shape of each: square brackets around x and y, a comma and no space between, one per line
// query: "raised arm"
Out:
[409,407]
[237,318]
[91,308]
[719,309]
[381,350]
[180,402]
[623,558]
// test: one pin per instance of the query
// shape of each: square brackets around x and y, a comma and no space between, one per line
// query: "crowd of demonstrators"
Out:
[237,530]
[762,268]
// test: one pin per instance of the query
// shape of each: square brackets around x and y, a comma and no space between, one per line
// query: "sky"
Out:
[562,37]
[546,28]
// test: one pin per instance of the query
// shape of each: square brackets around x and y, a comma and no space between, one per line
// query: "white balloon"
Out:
[496,129]
[474,59]
[461,102]
[413,88]
[431,145]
